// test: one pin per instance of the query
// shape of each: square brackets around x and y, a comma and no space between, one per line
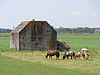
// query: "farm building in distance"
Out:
[97,31]
[34,35]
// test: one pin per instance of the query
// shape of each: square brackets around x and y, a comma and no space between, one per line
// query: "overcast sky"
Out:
[58,13]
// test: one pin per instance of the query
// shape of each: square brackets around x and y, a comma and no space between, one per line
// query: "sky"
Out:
[58,13]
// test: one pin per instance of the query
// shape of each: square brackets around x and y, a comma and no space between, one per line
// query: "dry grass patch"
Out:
[92,65]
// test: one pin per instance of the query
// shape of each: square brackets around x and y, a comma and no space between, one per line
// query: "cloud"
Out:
[84,13]
[94,14]
[75,12]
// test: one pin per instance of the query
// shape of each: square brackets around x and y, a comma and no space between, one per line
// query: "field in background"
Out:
[4,34]
[78,41]
[75,41]
[34,63]
[4,41]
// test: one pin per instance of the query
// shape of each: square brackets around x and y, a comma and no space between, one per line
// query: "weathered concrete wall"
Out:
[61,46]
[51,37]
[25,38]
[14,41]
[43,34]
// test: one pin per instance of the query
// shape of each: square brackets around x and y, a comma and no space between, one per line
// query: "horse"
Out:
[68,54]
[85,54]
[77,55]
[51,53]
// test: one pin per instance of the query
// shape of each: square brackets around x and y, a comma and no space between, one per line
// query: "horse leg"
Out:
[57,56]
[64,57]
[74,55]
[71,57]
[86,56]
[83,56]
[79,57]
[50,56]
[67,57]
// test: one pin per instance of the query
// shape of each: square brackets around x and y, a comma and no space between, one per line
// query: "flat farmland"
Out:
[34,63]
[79,41]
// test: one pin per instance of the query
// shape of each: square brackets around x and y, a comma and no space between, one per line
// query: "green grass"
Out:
[4,42]
[4,34]
[75,41]
[78,41]
[34,63]
[10,66]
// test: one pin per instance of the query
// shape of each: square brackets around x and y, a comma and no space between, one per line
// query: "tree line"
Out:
[62,30]
[79,30]
[2,30]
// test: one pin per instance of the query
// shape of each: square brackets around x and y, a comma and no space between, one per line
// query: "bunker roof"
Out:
[24,24]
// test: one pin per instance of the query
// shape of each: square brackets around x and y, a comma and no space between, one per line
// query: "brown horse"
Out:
[85,54]
[51,53]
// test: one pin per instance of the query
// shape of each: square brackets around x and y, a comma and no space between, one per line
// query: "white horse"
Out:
[68,54]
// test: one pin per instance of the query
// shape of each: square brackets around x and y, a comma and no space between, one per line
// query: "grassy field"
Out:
[34,63]
[78,41]
[75,41]
[4,34]
[17,67]
[4,43]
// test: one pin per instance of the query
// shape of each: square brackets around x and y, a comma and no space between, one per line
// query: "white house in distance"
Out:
[97,31]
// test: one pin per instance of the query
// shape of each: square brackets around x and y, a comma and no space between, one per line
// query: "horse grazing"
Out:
[51,53]
[77,55]
[85,54]
[68,54]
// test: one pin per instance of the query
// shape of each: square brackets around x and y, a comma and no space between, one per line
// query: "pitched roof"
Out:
[20,27]
[24,24]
